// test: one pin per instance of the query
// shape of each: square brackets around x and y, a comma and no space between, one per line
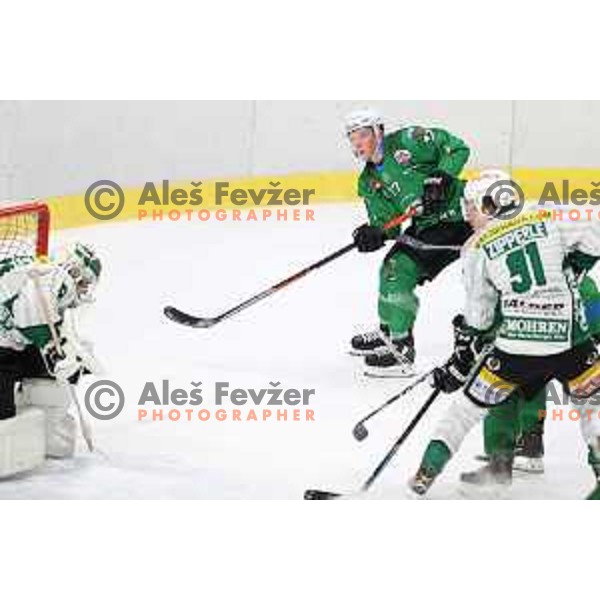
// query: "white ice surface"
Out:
[298,337]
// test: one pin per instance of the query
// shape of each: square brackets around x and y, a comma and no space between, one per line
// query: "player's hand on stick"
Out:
[468,345]
[368,238]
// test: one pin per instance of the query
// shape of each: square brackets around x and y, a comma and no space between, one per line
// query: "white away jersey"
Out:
[518,267]
[22,318]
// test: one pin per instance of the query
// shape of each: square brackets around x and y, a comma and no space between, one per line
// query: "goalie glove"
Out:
[468,345]
[68,363]
[69,370]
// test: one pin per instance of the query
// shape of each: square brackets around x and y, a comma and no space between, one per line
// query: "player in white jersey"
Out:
[519,290]
[40,357]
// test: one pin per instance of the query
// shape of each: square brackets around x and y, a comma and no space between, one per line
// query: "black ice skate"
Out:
[395,359]
[498,472]
[368,342]
[529,453]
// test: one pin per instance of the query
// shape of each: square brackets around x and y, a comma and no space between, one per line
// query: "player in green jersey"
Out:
[412,168]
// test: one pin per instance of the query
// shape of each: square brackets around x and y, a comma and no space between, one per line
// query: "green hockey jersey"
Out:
[411,155]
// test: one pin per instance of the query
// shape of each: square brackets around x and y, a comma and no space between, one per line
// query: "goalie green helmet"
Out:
[82,265]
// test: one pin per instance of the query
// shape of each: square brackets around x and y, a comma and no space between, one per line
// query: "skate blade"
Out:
[391,373]
[521,464]
[413,496]
[528,465]
[414,491]
[360,353]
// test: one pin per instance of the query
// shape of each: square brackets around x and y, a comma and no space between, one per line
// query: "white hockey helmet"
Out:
[82,265]
[361,118]
[492,192]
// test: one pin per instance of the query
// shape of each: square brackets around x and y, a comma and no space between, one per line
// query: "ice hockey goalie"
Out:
[41,356]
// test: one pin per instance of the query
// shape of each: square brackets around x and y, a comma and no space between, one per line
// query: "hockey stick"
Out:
[83,424]
[360,432]
[412,242]
[189,320]
[324,495]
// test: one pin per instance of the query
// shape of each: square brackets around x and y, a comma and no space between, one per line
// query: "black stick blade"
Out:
[188,320]
[360,432]
[320,495]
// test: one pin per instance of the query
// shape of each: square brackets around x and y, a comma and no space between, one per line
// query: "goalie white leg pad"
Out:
[460,418]
[22,442]
[54,399]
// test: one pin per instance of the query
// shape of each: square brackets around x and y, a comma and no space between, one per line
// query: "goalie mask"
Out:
[83,266]
[364,129]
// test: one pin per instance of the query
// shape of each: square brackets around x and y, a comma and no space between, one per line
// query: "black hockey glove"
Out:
[435,191]
[468,345]
[368,238]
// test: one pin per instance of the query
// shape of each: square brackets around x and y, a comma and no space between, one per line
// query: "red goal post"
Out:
[24,230]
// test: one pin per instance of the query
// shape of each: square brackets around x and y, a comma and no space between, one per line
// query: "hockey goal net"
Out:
[23,233]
